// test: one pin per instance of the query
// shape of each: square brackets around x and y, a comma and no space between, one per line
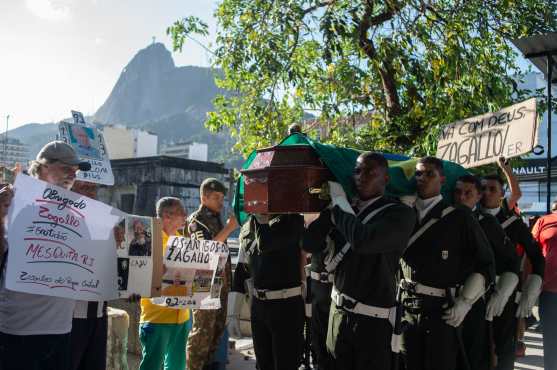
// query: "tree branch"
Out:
[386,71]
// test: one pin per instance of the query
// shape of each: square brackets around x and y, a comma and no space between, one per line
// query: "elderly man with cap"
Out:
[35,329]
[208,325]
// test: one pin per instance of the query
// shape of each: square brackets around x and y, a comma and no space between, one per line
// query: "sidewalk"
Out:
[243,357]
[534,353]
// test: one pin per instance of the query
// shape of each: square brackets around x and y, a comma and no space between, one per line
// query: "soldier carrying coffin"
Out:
[366,242]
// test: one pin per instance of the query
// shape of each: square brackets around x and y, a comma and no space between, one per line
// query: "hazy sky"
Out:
[58,55]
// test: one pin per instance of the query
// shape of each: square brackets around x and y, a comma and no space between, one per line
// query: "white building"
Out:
[125,142]
[532,172]
[13,151]
[184,149]
[534,81]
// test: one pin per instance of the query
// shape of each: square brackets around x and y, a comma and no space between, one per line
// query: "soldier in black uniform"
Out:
[208,325]
[321,285]
[369,240]
[517,231]
[447,267]
[480,348]
[271,245]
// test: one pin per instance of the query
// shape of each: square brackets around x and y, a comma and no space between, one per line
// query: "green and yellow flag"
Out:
[341,161]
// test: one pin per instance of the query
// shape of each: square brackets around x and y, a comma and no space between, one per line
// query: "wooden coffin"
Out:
[285,179]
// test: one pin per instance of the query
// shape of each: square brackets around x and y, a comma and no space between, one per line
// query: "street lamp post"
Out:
[549,78]
[541,50]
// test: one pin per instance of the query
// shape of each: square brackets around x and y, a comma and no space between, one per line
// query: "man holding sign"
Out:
[35,329]
[163,331]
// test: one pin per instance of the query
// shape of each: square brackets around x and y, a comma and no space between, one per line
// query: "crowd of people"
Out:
[40,332]
[436,284]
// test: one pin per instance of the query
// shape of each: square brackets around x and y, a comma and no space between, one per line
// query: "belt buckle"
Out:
[409,286]
[261,294]
[324,277]
[346,303]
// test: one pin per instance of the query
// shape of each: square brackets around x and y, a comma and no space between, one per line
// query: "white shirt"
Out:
[423,206]
[492,211]
[363,204]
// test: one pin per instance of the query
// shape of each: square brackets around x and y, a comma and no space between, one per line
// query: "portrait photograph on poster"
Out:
[88,142]
[139,233]
[138,245]
[84,140]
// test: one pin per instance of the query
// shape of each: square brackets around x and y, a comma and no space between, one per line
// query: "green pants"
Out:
[163,344]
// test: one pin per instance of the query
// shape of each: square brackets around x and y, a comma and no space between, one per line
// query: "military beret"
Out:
[211,184]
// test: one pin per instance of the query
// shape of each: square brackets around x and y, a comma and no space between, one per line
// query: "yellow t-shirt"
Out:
[156,314]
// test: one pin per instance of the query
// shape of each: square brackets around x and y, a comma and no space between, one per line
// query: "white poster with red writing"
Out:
[61,243]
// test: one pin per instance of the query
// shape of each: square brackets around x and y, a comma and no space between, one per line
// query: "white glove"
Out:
[530,292]
[472,290]
[338,197]
[455,315]
[505,287]
[235,302]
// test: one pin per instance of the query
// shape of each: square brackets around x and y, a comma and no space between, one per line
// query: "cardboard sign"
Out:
[88,143]
[78,117]
[194,273]
[139,249]
[60,243]
[480,140]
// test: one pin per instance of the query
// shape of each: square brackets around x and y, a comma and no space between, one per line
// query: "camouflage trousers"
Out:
[207,329]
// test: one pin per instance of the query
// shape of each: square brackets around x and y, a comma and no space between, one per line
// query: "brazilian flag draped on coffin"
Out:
[341,161]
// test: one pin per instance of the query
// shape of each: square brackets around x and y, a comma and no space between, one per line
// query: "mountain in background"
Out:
[35,135]
[153,94]
[151,88]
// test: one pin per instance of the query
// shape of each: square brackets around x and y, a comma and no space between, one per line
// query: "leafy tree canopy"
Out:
[381,75]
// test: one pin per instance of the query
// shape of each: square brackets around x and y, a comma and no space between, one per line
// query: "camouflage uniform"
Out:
[208,325]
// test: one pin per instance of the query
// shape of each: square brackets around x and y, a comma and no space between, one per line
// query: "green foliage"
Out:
[382,75]
[183,28]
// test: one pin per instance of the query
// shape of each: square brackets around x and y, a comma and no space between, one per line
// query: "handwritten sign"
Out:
[194,273]
[139,249]
[480,140]
[60,243]
[88,142]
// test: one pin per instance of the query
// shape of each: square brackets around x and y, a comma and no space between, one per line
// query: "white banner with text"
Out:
[60,243]
[480,140]
[194,273]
